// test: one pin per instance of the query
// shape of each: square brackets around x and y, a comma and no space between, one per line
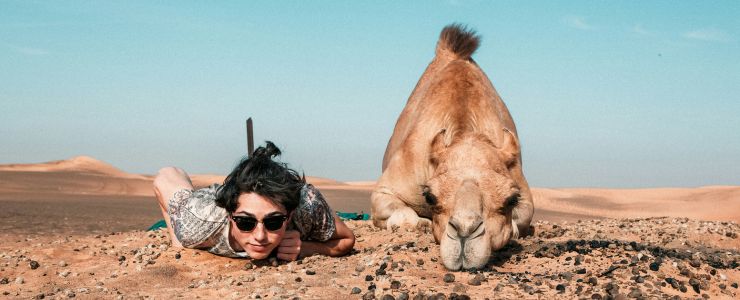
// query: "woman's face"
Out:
[259,242]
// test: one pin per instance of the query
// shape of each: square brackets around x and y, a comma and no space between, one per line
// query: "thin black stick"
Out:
[250,137]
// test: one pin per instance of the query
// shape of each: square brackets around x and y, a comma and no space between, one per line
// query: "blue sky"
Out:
[604,93]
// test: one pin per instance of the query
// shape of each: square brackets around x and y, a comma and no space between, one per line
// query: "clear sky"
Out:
[604,93]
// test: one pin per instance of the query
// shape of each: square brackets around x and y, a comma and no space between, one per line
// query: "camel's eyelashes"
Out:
[512,201]
[428,196]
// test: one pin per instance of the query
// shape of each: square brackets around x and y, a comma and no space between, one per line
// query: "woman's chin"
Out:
[258,252]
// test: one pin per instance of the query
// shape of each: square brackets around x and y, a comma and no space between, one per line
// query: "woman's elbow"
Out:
[347,244]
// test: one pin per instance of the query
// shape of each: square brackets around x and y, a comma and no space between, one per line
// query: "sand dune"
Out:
[81,179]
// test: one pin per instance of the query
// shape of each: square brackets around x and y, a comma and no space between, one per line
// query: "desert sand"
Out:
[75,228]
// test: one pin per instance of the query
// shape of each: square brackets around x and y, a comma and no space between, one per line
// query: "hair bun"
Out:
[267,152]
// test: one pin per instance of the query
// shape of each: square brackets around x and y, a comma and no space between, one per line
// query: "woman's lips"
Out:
[258,248]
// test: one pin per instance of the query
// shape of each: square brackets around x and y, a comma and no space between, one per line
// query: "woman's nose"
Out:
[259,232]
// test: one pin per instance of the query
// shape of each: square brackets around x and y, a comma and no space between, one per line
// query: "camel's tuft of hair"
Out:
[458,40]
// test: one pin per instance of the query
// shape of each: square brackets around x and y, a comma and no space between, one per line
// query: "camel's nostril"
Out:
[465,229]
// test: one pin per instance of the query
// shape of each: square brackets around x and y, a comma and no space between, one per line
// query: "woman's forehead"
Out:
[258,205]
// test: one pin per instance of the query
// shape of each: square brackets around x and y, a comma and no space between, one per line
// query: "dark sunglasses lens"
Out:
[245,223]
[273,223]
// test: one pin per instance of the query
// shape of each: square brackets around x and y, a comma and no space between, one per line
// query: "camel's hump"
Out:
[458,40]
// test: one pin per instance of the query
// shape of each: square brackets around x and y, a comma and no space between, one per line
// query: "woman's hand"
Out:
[290,246]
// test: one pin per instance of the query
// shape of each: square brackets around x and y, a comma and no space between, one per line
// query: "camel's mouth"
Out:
[465,253]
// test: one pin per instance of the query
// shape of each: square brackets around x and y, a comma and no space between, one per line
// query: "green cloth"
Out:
[158,225]
[353,216]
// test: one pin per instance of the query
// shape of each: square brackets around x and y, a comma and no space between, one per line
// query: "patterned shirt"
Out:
[199,223]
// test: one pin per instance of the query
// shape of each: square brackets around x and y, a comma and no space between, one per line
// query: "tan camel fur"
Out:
[454,160]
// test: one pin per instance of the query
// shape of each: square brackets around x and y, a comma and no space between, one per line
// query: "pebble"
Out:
[403,296]
[310,272]
[369,295]
[34,264]
[19,280]
[359,268]
[177,255]
[387,297]
[655,266]
[4,280]
[355,290]
[395,284]
[476,280]
[62,263]
[449,278]
[560,288]
[369,278]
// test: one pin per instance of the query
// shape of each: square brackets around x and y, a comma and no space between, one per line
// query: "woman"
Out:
[262,207]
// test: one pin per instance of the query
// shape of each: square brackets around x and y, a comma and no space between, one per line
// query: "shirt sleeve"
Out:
[195,217]
[313,217]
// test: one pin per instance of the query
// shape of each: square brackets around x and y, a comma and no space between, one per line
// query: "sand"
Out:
[81,221]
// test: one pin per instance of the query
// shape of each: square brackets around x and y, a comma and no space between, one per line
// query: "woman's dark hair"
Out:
[261,175]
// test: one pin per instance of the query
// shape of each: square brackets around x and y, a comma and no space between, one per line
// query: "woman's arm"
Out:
[340,243]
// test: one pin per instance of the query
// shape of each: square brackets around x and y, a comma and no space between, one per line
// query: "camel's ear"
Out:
[439,145]
[510,150]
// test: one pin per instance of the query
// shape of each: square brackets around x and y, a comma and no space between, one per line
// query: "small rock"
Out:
[560,288]
[19,280]
[177,255]
[403,296]
[369,278]
[369,295]
[476,280]
[695,263]
[63,264]
[4,280]
[355,290]
[593,281]
[395,284]
[655,266]
[34,265]
[449,278]
[121,258]
[310,272]
[387,297]
[359,268]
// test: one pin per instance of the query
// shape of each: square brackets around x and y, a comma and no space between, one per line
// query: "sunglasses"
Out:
[248,223]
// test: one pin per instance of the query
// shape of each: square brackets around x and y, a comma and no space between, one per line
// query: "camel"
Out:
[454,160]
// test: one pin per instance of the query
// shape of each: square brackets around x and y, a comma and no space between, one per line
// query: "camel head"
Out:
[472,195]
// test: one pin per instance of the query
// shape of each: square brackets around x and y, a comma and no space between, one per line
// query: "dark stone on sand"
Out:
[655,266]
[476,280]
[639,279]
[355,290]
[121,258]
[455,296]
[449,278]
[734,284]
[596,296]
[298,279]
[581,271]
[369,295]
[369,278]
[34,265]
[560,288]
[310,272]
[177,255]
[419,261]
[593,281]
[682,288]
[379,272]
[722,286]
[395,284]
[673,282]
[695,263]
[371,287]
[4,280]
[403,296]
[635,293]
[387,297]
